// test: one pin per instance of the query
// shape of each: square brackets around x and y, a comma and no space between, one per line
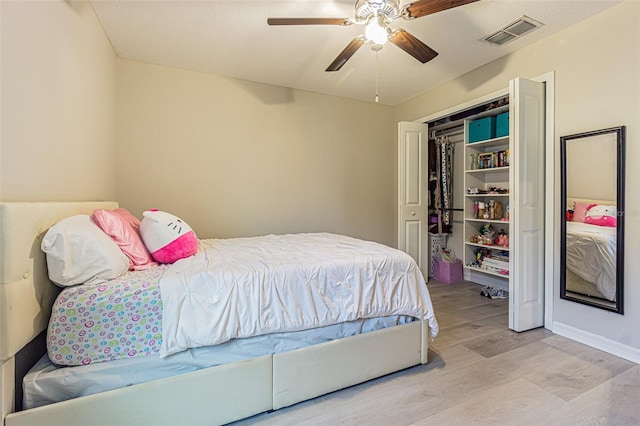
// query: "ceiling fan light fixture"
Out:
[367,8]
[376,31]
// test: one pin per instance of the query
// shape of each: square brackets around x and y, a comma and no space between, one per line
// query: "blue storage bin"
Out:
[482,129]
[502,125]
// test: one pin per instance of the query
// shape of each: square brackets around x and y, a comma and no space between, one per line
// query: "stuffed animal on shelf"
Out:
[502,239]
[167,237]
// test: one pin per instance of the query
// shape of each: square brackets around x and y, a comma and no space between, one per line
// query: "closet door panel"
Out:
[412,192]
[527,127]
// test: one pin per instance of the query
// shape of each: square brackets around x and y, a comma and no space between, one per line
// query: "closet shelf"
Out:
[480,220]
[492,247]
[487,271]
[489,143]
[489,170]
[491,195]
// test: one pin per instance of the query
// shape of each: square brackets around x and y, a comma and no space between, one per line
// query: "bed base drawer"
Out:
[316,370]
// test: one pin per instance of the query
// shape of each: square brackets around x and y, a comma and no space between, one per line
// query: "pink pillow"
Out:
[580,211]
[124,230]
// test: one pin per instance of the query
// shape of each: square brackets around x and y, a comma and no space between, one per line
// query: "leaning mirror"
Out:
[592,223]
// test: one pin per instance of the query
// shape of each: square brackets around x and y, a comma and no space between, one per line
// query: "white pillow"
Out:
[78,252]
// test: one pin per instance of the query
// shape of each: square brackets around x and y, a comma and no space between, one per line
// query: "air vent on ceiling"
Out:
[513,30]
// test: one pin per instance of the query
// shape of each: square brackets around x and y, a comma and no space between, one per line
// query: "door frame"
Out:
[552,196]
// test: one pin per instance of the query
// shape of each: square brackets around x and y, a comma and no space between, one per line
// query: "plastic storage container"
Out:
[482,129]
[502,125]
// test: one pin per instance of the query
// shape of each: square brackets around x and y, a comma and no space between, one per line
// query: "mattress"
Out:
[47,383]
[232,289]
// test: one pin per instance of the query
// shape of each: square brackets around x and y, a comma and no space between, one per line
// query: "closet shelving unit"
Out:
[483,179]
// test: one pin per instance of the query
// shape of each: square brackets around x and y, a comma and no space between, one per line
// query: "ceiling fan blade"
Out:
[421,8]
[308,21]
[347,53]
[413,46]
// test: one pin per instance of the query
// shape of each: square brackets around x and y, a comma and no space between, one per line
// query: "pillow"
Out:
[167,237]
[78,252]
[123,228]
[580,211]
[602,216]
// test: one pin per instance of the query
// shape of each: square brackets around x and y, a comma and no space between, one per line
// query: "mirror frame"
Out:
[620,192]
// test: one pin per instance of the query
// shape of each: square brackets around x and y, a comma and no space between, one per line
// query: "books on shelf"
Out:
[491,160]
[495,263]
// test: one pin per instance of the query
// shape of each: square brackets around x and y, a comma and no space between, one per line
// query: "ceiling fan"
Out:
[376,16]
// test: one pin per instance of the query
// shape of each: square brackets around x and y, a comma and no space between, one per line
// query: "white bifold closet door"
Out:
[413,192]
[527,210]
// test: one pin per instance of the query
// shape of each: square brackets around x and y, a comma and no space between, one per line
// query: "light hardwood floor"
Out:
[480,372]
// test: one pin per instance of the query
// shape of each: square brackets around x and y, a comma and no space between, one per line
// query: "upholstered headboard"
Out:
[570,202]
[26,294]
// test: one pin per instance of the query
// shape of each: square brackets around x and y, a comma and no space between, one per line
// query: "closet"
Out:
[505,175]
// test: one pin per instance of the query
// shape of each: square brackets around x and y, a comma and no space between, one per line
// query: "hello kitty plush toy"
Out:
[602,215]
[167,237]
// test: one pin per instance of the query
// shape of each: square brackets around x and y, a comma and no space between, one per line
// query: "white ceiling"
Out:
[231,38]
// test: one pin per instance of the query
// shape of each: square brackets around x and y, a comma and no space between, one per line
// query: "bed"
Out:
[213,395]
[590,255]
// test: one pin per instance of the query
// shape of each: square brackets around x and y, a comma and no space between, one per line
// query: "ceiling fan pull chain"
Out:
[377,97]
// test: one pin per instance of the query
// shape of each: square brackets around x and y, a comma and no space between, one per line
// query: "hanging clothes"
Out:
[444,183]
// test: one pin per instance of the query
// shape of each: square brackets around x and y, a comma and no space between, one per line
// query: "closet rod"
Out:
[450,210]
[445,133]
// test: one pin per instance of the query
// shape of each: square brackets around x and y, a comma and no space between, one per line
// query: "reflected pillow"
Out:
[602,215]
[78,252]
[124,230]
[580,211]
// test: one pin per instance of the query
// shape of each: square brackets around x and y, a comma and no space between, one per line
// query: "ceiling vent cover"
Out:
[513,30]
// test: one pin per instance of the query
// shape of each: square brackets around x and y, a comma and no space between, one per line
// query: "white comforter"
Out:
[242,287]
[591,254]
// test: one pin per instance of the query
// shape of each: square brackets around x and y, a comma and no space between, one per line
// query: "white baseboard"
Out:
[598,342]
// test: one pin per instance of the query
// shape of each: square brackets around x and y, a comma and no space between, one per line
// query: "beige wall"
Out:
[597,70]
[591,168]
[58,85]
[235,158]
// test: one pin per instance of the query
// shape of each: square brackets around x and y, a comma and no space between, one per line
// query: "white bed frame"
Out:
[215,395]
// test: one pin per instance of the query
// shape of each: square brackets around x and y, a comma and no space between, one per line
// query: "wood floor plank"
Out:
[616,400]
[515,401]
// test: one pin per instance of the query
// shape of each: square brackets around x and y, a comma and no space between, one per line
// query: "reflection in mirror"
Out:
[592,224]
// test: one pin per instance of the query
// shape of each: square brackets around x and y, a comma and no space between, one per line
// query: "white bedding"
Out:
[591,254]
[243,287]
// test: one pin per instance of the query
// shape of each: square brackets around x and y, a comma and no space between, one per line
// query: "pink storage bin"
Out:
[448,272]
